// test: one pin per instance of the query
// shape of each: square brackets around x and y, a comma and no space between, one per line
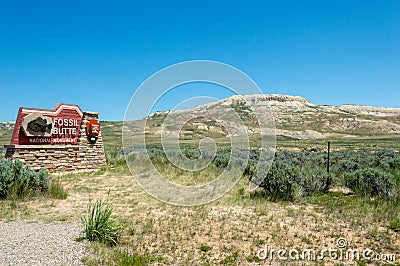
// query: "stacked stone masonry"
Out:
[80,157]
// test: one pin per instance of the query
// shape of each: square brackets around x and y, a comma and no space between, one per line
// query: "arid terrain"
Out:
[296,117]
[241,226]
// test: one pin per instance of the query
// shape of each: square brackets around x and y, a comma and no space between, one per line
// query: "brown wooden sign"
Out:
[40,127]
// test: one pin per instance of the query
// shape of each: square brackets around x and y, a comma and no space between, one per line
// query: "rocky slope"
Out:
[294,117]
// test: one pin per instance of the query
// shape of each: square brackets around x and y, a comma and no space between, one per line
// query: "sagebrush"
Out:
[19,181]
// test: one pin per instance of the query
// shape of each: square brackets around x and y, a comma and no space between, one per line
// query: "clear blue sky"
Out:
[96,54]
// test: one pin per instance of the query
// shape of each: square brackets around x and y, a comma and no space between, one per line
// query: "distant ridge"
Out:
[7,125]
[296,117]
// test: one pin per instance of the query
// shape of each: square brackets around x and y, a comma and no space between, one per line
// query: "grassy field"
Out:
[5,137]
[231,230]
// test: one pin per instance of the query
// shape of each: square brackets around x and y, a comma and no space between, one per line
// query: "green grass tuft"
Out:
[98,225]
[56,189]
[205,248]
[394,225]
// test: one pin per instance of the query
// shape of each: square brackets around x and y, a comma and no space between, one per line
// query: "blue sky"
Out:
[96,54]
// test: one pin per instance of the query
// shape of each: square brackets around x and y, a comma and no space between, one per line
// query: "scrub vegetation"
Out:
[299,205]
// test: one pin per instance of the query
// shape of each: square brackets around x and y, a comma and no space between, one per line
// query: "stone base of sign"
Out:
[63,158]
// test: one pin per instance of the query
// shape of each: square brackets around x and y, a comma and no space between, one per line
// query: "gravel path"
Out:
[24,243]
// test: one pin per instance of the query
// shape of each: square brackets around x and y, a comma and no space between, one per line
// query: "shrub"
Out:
[346,165]
[115,157]
[222,158]
[372,182]
[389,163]
[191,153]
[98,226]
[19,181]
[313,180]
[287,182]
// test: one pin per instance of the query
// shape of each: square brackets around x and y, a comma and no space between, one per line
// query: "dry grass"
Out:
[228,231]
